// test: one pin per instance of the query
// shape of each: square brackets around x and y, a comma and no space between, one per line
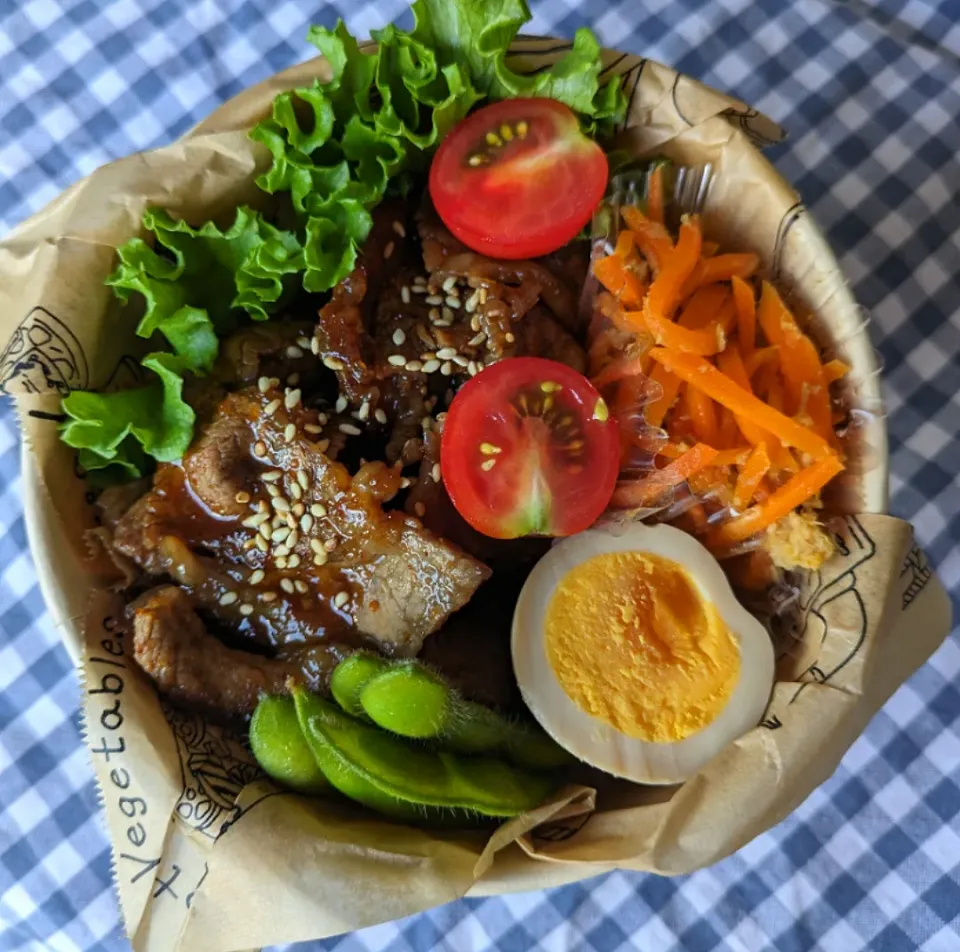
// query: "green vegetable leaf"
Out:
[479,33]
[109,429]
[334,236]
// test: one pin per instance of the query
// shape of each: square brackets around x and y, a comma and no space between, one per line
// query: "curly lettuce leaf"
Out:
[338,147]
[118,430]
[479,33]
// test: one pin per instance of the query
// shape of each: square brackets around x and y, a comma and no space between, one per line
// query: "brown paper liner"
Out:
[210,856]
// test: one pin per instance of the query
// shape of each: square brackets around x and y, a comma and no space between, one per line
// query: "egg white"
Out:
[595,741]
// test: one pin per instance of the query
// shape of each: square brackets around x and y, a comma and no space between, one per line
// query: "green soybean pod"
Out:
[361,760]
[349,678]
[408,699]
[280,748]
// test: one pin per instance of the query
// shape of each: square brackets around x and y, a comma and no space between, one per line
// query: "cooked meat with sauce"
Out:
[190,666]
[310,509]
[263,500]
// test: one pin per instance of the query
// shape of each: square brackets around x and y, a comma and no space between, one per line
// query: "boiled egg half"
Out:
[631,650]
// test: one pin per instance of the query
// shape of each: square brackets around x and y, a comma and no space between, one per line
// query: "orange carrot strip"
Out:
[704,376]
[651,237]
[746,315]
[800,488]
[737,456]
[655,197]
[649,489]
[676,337]
[618,369]
[806,388]
[729,431]
[705,307]
[834,370]
[709,249]
[703,415]
[721,268]
[663,298]
[760,358]
[619,279]
[656,411]
[753,471]
[624,246]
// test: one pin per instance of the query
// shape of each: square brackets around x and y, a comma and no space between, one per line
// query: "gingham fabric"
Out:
[870,93]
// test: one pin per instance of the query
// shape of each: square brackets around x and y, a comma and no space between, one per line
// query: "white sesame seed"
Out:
[281,504]
[331,363]
[286,585]
[330,545]
[253,522]
[399,229]
[256,577]
[322,446]
[420,509]
[435,472]
[300,586]
[461,361]
[431,366]
[263,384]
[474,323]
[262,506]
[447,353]
[280,561]
[246,609]
[291,399]
[298,509]
[289,432]
[293,538]
[399,337]
[388,250]
[272,407]
[471,303]
[341,404]
[341,599]
[268,596]
[320,558]
[405,294]
[418,286]
[273,490]
[405,483]
[349,429]
[318,509]
[315,345]
[509,337]
[306,522]
[446,369]
[296,491]
[228,598]
[262,544]
[294,561]
[312,428]
[364,412]
[414,365]
[316,545]
[379,416]
[472,368]
[441,417]
[453,302]
[446,314]
[483,295]
[293,352]
[450,283]
[433,314]
[303,478]
[271,476]
[282,551]
[478,340]
[260,448]
[267,531]
[434,299]
[397,360]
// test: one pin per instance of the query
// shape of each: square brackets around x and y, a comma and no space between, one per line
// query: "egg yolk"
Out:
[633,643]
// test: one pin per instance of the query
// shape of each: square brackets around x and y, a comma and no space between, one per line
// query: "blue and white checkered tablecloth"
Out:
[870,92]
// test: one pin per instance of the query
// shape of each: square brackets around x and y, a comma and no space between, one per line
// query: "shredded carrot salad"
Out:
[739,391]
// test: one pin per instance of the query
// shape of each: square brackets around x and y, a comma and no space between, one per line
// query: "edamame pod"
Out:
[280,747]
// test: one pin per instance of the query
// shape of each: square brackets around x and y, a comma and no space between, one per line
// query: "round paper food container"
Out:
[748,207]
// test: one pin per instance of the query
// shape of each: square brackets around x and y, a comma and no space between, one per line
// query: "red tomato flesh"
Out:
[518,178]
[529,448]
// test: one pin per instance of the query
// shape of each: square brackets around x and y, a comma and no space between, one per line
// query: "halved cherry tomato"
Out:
[518,178]
[529,448]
